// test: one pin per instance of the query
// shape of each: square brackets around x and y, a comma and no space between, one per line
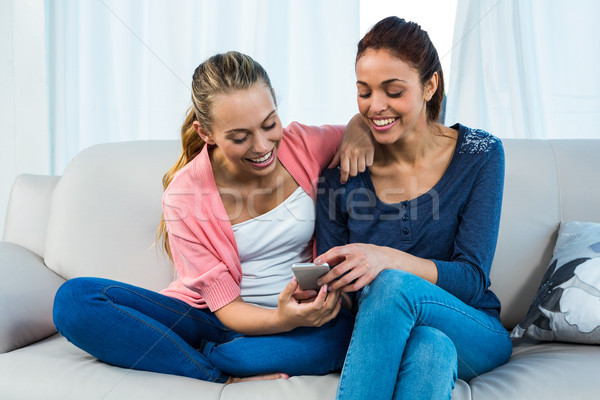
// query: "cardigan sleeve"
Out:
[199,270]
[203,250]
[308,150]
[325,138]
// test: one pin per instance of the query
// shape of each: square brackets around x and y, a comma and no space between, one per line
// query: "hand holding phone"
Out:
[307,274]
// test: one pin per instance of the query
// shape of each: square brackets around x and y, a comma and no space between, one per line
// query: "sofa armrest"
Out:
[28,211]
[27,289]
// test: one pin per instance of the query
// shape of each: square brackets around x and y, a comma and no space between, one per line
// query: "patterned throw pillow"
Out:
[567,304]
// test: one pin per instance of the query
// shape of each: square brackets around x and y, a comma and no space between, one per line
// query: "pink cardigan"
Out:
[200,234]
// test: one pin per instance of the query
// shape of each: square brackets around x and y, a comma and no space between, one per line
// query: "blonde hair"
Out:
[219,74]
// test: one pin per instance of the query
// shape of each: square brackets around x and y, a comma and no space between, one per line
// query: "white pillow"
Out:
[567,304]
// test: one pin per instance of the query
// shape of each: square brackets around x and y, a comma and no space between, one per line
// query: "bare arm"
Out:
[249,319]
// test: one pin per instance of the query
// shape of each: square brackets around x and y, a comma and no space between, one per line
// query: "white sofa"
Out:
[100,218]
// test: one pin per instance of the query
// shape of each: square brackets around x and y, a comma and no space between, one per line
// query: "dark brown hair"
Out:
[411,44]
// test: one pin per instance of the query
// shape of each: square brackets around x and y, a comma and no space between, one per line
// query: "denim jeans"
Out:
[412,340]
[131,327]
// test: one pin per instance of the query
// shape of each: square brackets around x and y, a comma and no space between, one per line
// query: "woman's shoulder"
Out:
[313,136]
[193,179]
[476,141]
[181,180]
[310,148]
[298,128]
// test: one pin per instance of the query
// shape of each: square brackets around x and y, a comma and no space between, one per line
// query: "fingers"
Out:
[361,165]
[323,309]
[330,309]
[342,275]
[333,256]
[302,295]
[353,268]
[359,284]
[288,291]
[333,274]
[331,278]
[353,167]
[321,297]
[332,299]
[352,275]
[336,160]
[369,158]
[349,281]
[335,305]
[353,164]
[344,169]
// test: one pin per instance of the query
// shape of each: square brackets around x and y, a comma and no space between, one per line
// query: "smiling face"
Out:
[391,98]
[246,130]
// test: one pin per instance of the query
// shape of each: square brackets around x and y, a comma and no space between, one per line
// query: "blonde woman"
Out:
[238,212]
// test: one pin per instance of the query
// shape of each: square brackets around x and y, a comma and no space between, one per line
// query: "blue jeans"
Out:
[131,327]
[412,340]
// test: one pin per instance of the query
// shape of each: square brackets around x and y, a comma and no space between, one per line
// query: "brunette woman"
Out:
[415,234]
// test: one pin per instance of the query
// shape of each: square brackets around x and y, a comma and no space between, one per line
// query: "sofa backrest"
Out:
[105,211]
[106,207]
[547,181]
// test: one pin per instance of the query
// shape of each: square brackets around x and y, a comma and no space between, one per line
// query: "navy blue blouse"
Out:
[455,224]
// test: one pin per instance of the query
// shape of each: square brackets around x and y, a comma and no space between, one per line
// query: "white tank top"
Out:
[269,244]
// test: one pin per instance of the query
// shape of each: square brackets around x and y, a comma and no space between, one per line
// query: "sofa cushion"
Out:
[547,181]
[54,369]
[105,211]
[61,371]
[567,304]
[27,290]
[543,370]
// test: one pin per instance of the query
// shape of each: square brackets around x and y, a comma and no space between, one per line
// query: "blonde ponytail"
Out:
[191,144]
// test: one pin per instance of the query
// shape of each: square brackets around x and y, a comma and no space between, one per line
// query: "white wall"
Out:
[24,140]
[527,69]
[121,69]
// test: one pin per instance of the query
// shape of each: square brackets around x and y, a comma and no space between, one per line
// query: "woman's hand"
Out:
[250,319]
[356,265]
[356,150]
[304,296]
[292,313]
[308,296]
